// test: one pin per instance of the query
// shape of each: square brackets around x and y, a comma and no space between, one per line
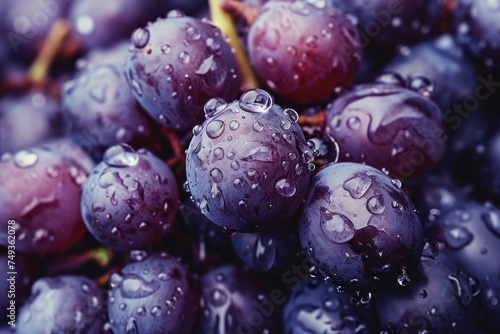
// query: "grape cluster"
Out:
[249,166]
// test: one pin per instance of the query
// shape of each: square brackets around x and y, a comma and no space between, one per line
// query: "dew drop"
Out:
[184,57]
[216,175]
[336,227]
[121,155]
[403,278]
[131,327]
[214,107]
[197,129]
[375,204]
[234,124]
[165,48]
[256,100]
[492,221]
[156,311]
[218,153]
[134,287]
[215,129]
[354,123]
[397,183]
[258,127]
[25,158]
[285,187]
[457,237]
[358,186]
[218,298]
[140,37]
[235,165]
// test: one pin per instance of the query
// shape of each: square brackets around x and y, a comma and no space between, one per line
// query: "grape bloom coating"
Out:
[248,165]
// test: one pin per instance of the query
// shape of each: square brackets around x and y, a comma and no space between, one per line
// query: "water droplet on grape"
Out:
[358,185]
[215,129]
[121,155]
[256,100]
[140,37]
[214,107]
[285,187]
[25,158]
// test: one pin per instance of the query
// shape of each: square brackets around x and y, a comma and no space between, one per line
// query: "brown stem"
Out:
[318,119]
[242,9]
[178,161]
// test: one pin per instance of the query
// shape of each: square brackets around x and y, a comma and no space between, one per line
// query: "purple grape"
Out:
[384,24]
[235,300]
[63,304]
[444,63]
[176,64]
[359,228]
[27,120]
[130,200]
[470,235]
[100,111]
[317,307]
[41,191]
[156,294]
[440,299]
[303,50]
[476,23]
[96,23]
[272,251]
[248,163]
[388,126]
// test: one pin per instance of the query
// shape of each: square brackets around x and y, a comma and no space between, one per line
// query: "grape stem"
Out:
[224,21]
[39,69]
[177,162]
[318,119]
[242,9]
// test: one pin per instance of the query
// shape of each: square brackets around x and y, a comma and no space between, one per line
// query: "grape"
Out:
[317,307]
[27,120]
[248,163]
[178,63]
[100,111]
[439,300]
[41,192]
[130,199]
[388,126]
[235,300]
[63,304]
[359,228]
[303,50]
[96,23]
[152,295]
[444,63]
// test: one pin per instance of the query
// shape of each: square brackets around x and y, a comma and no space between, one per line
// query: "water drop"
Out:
[431,250]
[354,123]
[421,85]
[397,183]
[336,227]
[214,107]
[25,159]
[285,187]
[165,49]
[184,57]
[403,278]
[256,100]
[234,125]
[134,287]
[140,37]
[216,175]
[492,221]
[358,186]
[156,311]
[141,311]
[456,236]
[215,128]
[131,327]
[121,155]
[375,204]
[258,127]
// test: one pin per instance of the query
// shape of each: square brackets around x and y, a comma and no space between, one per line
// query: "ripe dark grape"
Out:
[27,120]
[359,228]
[235,300]
[63,304]
[130,199]
[27,24]
[386,24]
[271,251]
[96,23]
[41,192]
[440,299]
[444,63]
[470,235]
[100,111]
[176,64]
[303,50]
[154,295]
[317,307]
[388,126]
[476,24]
[248,163]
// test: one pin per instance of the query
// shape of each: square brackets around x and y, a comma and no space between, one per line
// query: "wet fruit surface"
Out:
[248,162]
[176,64]
[153,294]
[130,199]
[303,50]
[359,228]
[389,127]
[249,166]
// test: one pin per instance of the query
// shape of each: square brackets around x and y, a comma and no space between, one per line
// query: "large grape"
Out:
[248,163]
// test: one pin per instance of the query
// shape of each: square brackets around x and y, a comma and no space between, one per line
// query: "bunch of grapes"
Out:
[249,166]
